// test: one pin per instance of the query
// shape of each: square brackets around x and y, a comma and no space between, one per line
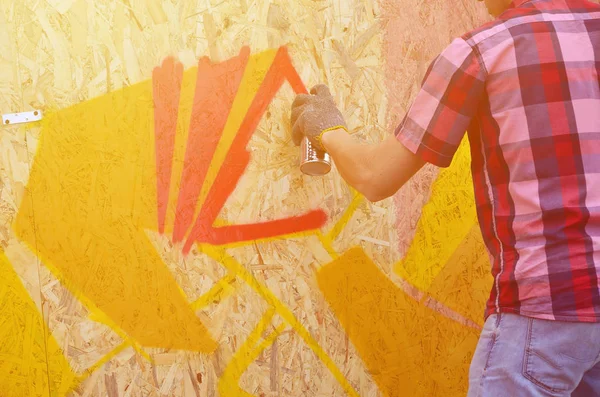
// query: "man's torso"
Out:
[535,143]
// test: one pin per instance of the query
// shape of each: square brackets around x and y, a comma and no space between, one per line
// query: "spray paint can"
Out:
[313,161]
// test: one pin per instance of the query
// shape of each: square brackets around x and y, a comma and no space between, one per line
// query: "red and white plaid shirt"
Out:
[526,89]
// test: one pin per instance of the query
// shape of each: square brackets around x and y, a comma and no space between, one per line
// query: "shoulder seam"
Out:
[475,50]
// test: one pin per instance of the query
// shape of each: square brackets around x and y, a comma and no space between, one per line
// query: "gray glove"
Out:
[314,114]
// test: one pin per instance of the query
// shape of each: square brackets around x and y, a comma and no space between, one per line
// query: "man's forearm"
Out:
[351,159]
[376,171]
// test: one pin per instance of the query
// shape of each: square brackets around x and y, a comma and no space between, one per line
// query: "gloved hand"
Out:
[314,114]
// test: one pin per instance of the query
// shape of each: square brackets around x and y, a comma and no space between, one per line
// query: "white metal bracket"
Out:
[23,117]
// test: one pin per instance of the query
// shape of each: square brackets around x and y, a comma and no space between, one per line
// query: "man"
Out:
[525,88]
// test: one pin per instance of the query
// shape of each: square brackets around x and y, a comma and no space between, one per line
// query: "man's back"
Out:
[536,158]
[526,89]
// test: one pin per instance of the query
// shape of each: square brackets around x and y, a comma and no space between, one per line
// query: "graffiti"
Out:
[164,156]
[90,199]
[111,168]
[215,98]
[228,384]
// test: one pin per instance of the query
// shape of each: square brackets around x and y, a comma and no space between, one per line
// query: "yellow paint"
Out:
[409,349]
[286,314]
[99,317]
[327,244]
[445,222]
[221,290]
[357,199]
[464,283]
[268,341]
[90,197]
[106,358]
[246,354]
[217,292]
[328,239]
[31,362]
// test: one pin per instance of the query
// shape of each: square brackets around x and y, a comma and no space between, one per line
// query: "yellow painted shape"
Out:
[90,197]
[232,265]
[445,221]
[464,283]
[100,317]
[31,362]
[221,290]
[409,349]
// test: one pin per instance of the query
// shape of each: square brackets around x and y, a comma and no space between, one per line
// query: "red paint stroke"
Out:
[166,90]
[216,88]
[235,163]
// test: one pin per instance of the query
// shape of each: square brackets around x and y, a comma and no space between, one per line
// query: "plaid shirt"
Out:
[526,89]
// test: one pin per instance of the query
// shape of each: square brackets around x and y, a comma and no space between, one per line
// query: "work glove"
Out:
[314,114]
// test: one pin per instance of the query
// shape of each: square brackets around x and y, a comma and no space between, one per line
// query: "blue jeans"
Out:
[523,357]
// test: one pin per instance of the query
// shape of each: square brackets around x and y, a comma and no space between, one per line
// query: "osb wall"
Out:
[124,270]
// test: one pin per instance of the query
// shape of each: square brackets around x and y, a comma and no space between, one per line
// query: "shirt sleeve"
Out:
[445,105]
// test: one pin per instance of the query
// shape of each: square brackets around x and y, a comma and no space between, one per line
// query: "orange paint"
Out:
[235,164]
[166,89]
[216,87]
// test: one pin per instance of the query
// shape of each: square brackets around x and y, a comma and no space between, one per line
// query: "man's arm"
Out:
[376,171]
[430,132]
